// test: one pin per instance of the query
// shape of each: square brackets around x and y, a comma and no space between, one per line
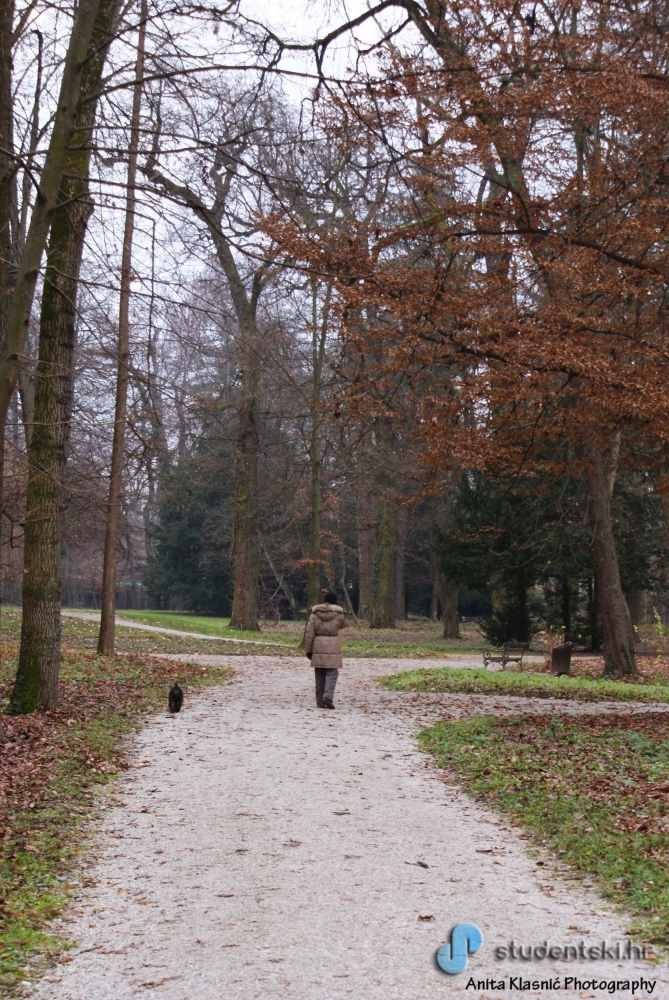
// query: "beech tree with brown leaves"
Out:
[517,283]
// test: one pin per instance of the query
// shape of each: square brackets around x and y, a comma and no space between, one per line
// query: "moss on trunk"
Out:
[37,676]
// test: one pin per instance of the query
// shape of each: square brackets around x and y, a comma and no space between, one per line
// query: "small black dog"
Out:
[175,698]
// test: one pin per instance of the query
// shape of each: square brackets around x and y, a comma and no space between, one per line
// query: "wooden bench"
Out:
[511,652]
[561,659]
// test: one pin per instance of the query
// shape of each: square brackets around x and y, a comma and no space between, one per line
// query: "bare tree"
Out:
[36,684]
[46,200]
[108,609]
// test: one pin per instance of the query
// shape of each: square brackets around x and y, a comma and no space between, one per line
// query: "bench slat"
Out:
[511,652]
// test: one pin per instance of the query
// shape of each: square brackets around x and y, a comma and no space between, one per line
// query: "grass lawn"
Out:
[420,639]
[593,790]
[52,771]
[199,623]
[527,685]
[83,634]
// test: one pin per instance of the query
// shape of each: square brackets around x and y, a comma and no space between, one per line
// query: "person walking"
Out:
[323,646]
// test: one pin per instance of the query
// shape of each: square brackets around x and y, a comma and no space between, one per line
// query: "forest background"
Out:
[374,301]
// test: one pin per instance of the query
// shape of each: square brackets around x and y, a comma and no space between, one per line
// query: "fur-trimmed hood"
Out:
[321,636]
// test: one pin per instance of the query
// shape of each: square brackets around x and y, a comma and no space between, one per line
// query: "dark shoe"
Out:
[321,704]
[327,703]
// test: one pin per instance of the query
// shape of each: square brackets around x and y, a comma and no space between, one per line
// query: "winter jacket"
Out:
[321,638]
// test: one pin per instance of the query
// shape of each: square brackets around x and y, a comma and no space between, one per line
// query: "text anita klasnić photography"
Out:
[630,987]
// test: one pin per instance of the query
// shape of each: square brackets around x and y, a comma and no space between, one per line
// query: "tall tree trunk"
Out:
[400,562]
[3,738]
[245,505]
[157,450]
[106,638]
[383,580]
[314,569]
[638,605]
[445,594]
[7,166]
[46,200]
[365,553]
[36,684]
[22,213]
[7,172]
[434,596]
[566,606]
[524,632]
[449,603]
[245,493]
[619,655]
[593,616]
[319,336]
[344,587]
[26,386]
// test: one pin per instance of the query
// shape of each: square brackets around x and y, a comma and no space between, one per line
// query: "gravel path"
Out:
[264,848]
[89,616]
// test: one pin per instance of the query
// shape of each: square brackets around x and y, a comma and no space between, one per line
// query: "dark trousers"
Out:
[326,681]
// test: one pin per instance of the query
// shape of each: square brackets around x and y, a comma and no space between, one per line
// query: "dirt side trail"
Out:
[261,847]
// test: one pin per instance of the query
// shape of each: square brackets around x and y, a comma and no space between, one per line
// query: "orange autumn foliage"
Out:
[505,300]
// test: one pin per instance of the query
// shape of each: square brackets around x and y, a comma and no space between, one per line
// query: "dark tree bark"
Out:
[365,552]
[383,579]
[566,606]
[385,541]
[6,183]
[245,505]
[7,166]
[445,595]
[106,638]
[319,336]
[314,566]
[619,655]
[434,597]
[47,199]
[523,607]
[400,562]
[638,605]
[36,684]
[449,603]
[593,617]
[245,494]
[26,376]
[3,738]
